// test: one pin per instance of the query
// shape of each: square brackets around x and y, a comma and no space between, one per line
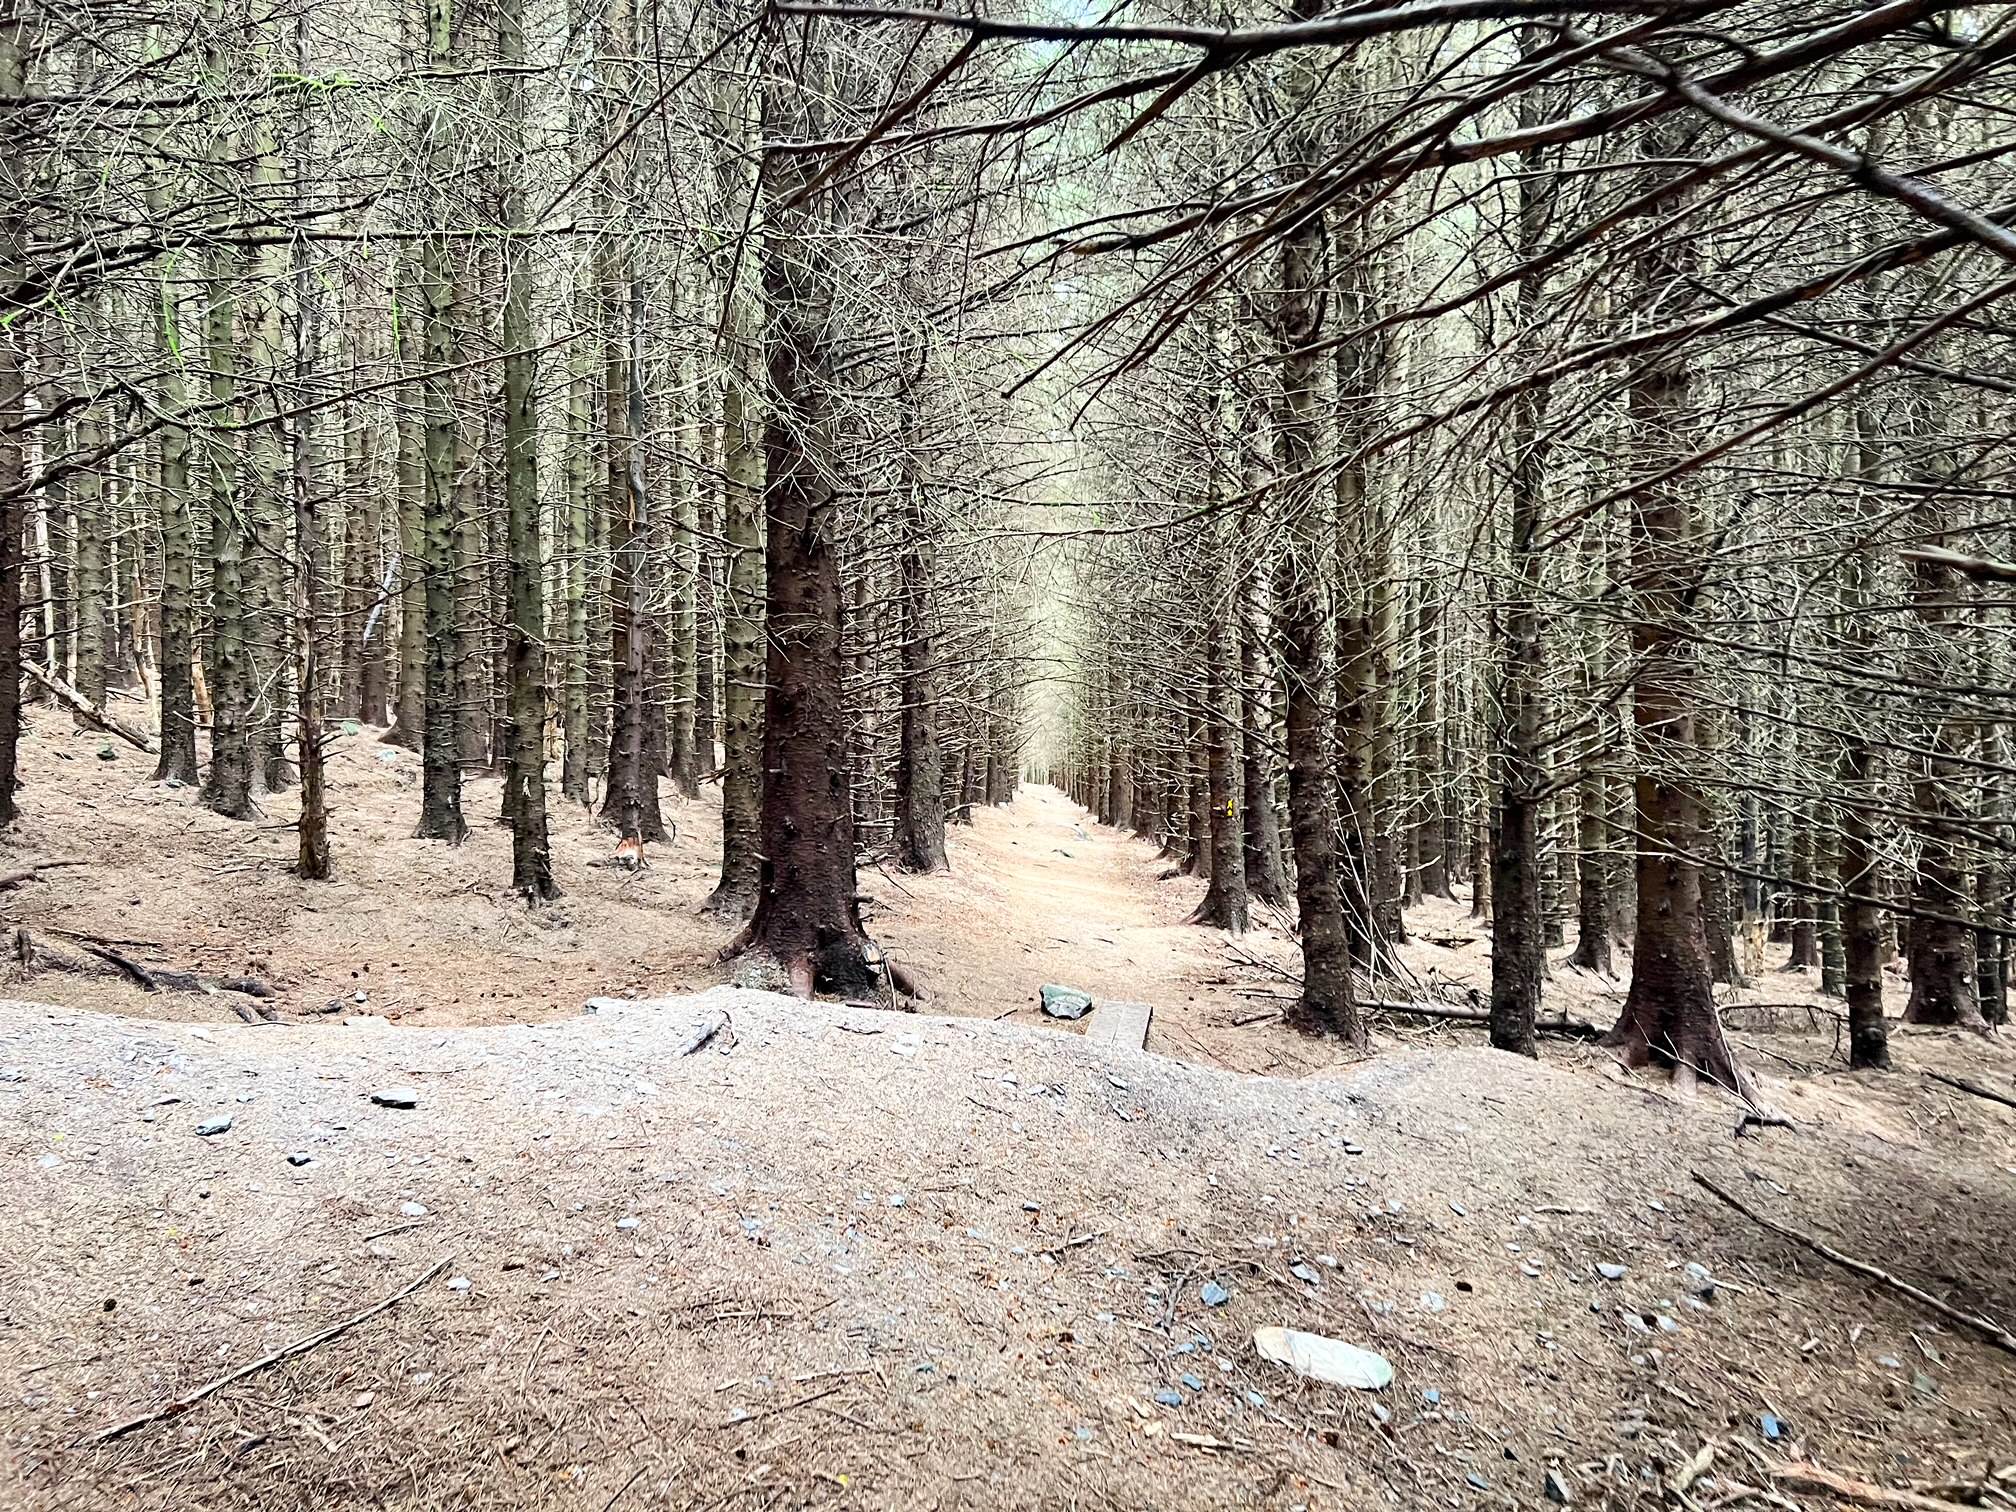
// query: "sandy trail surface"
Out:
[849,1258]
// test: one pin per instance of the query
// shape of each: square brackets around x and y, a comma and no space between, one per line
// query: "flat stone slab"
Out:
[1116,1023]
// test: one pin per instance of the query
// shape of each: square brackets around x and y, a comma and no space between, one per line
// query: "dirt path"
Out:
[1039,892]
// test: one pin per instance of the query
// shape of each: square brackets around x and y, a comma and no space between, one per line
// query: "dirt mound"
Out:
[848,1258]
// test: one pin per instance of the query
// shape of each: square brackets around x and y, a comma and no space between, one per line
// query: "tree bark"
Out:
[1328,1004]
[806,914]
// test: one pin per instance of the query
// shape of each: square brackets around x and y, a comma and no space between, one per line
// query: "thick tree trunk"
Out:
[1669,1012]
[1328,1004]
[806,914]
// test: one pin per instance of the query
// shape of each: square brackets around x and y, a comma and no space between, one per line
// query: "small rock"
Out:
[1032,1207]
[299,1158]
[1431,1302]
[1324,1359]
[1924,1384]
[629,1223]
[1193,1382]
[12,1074]
[1213,1295]
[1772,1427]
[1432,1396]
[1609,1270]
[1169,1396]
[1302,1270]
[396,1097]
[1354,1149]
[459,1284]
[413,1209]
[364,1399]
[1255,1399]
[49,1162]
[383,1252]
[1459,1210]
[1083,1435]
[1064,1002]
[1557,1488]
[906,1044]
[1477,1482]
[1668,1324]
[1633,1321]
[213,1126]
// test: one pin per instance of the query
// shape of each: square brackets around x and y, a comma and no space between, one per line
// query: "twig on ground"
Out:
[300,1346]
[34,873]
[704,1031]
[1993,1333]
[769,1412]
[1813,1478]
[1974,1087]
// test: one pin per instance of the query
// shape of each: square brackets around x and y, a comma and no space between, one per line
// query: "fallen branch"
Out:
[1975,1087]
[300,1346]
[85,710]
[1994,1334]
[34,873]
[1573,1028]
[38,955]
[707,1028]
[1803,1477]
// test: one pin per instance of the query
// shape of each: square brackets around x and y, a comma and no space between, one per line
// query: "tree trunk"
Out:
[920,777]
[14,59]
[525,608]
[441,765]
[806,915]
[1669,1011]
[1327,1004]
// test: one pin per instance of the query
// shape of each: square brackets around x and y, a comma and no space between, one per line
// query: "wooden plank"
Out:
[1115,1023]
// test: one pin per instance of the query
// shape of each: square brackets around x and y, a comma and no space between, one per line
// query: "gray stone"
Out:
[1169,1396]
[221,1124]
[12,1074]
[1214,1295]
[1609,1270]
[1557,1488]
[1065,1002]
[299,1158]
[396,1097]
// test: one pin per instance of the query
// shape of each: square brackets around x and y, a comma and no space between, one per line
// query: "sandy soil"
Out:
[883,1260]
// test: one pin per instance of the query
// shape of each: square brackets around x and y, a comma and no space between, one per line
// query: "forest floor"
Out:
[953,1259]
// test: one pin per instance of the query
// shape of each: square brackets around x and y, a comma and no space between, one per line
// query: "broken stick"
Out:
[33,873]
[1974,1087]
[300,1346]
[85,710]
[1992,1332]
[1813,1478]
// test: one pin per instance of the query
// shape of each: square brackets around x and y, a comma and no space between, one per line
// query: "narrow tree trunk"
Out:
[743,595]
[525,608]
[14,60]
[441,768]
[228,787]
[920,777]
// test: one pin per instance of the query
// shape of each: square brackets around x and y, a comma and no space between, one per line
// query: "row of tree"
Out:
[1553,450]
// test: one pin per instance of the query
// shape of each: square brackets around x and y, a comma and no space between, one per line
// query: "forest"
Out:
[1526,475]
